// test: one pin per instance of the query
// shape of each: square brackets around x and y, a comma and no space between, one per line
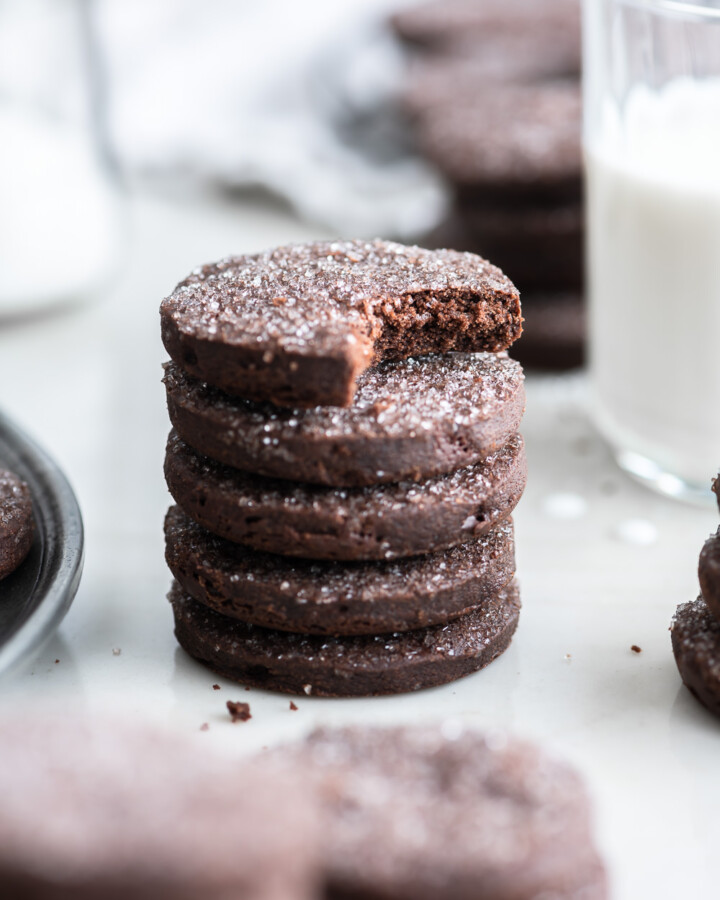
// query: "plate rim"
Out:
[63,511]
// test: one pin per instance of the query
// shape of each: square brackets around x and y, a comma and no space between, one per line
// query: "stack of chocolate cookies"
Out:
[695,628]
[492,96]
[345,461]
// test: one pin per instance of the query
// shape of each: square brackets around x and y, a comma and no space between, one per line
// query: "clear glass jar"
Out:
[652,145]
[61,220]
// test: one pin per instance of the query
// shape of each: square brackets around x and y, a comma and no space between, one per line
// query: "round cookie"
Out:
[448,24]
[360,666]
[409,420]
[315,522]
[709,573]
[518,142]
[331,597]
[427,812]
[17,526]
[695,636]
[542,247]
[554,335]
[103,810]
[296,325]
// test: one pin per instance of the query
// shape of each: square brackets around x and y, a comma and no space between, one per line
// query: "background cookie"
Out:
[336,598]
[17,527]
[296,325]
[315,522]
[410,419]
[104,811]
[695,636]
[422,813]
[366,665]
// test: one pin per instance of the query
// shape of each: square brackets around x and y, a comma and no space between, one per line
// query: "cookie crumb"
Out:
[116,651]
[568,657]
[636,649]
[57,661]
[292,706]
[216,687]
[239,712]
[204,727]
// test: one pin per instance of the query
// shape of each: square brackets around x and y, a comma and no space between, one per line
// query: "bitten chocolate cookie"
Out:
[554,335]
[17,526]
[695,636]
[379,522]
[361,666]
[522,140]
[101,810]
[298,324]
[409,420]
[429,812]
[709,573]
[336,598]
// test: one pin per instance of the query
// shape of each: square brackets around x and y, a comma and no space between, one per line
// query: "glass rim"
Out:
[688,9]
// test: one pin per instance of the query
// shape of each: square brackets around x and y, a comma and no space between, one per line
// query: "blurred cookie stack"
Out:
[493,99]
[345,461]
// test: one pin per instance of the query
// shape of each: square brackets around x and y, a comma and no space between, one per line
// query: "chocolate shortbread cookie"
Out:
[695,636]
[103,810]
[17,526]
[520,140]
[296,325]
[541,247]
[331,597]
[440,811]
[360,666]
[448,24]
[411,419]
[709,573]
[315,522]
[554,336]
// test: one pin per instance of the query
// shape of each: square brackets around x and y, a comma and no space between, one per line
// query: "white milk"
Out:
[653,199]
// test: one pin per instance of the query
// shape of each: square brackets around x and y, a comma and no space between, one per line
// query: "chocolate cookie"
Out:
[314,522]
[554,335]
[17,526]
[520,140]
[429,812]
[411,419]
[360,666]
[446,24]
[298,324]
[716,489]
[541,247]
[709,573]
[695,636]
[331,597]
[105,811]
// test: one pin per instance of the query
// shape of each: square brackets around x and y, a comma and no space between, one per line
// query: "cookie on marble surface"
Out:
[359,666]
[317,522]
[412,419]
[17,526]
[440,811]
[695,636]
[333,597]
[555,331]
[709,573]
[104,810]
[521,141]
[296,325]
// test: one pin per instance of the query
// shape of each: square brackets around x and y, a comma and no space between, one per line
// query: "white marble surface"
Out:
[602,563]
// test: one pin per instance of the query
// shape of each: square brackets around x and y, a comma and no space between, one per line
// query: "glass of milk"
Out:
[652,145]
[61,216]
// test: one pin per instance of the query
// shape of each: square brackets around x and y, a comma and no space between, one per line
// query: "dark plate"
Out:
[34,598]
